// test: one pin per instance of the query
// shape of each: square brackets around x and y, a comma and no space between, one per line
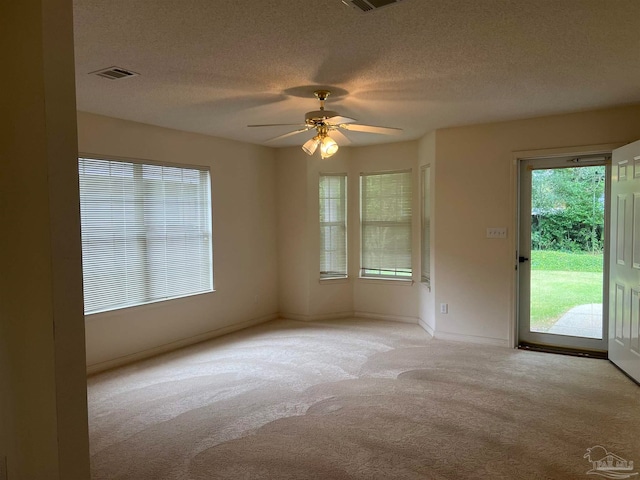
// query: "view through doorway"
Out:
[563,205]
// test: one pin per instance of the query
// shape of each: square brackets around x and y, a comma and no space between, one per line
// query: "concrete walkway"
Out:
[580,321]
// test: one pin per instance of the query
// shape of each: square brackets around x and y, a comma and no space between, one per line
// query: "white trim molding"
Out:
[318,317]
[427,328]
[384,316]
[458,337]
[516,157]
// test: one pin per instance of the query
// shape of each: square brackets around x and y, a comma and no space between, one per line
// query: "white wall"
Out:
[244,241]
[475,189]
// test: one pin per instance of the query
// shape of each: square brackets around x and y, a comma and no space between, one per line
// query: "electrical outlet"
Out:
[444,308]
[496,232]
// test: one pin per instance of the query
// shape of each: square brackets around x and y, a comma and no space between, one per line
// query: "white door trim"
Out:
[517,156]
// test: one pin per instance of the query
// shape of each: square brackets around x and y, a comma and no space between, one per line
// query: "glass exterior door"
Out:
[562,253]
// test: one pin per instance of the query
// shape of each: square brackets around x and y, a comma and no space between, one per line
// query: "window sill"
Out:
[332,280]
[398,282]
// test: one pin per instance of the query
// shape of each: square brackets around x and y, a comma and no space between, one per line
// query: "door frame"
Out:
[547,340]
[517,157]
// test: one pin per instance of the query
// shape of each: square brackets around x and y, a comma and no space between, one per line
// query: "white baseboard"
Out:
[134,357]
[389,318]
[316,318]
[457,337]
[427,328]
[340,315]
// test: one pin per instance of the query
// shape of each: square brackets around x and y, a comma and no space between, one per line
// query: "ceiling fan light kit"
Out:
[311,145]
[325,121]
[328,147]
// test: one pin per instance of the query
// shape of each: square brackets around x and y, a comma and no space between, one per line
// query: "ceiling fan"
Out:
[325,122]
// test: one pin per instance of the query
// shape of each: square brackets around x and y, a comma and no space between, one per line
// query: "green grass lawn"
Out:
[566,262]
[560,281]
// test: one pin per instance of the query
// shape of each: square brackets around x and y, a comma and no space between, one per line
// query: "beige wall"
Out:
[302,294]
[388,299]
[475,189]
[327,298]
[266,230]
[427,156]
[293,236]
[43,408]
[244,241]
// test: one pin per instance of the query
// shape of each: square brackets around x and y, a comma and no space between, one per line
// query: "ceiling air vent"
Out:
[369,5]
[114,73]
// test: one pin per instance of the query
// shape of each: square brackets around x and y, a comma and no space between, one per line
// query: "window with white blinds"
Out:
[386,225]
[333,226]
[146,233]
[426,225]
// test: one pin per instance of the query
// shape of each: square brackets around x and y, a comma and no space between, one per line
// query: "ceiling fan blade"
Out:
[295,132]
[371,129]
[339,119]
[340,137]
[279,125]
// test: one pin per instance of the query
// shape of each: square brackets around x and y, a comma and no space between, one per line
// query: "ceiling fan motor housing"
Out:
[318,116]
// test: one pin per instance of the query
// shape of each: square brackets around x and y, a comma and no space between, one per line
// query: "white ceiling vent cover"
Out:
[369,5]
[114,73]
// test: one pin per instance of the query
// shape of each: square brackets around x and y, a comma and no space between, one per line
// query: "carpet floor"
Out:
[360,399]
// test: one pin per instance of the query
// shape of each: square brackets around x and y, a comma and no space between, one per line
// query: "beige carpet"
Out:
[358,399]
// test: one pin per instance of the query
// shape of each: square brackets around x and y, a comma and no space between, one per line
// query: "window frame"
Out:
[170,232]
[425,224]
[399,274]
[334,275]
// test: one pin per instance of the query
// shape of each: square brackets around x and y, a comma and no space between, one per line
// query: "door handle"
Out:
[522,259]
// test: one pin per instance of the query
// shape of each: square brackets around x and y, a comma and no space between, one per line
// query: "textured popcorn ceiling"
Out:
[214,66]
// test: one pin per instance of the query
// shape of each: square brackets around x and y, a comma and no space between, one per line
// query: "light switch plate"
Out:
[497,232]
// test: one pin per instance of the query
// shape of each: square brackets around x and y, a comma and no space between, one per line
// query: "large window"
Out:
[146,233]
[426,225]
[386,225]
[333,226]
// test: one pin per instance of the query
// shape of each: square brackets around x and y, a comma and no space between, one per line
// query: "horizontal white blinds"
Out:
[386,224]
[333,226]
[146,233]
